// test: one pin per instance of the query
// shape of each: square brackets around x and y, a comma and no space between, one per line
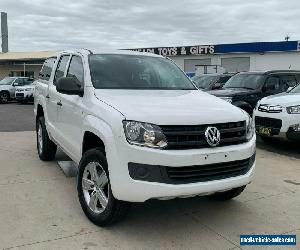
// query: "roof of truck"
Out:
[112,51]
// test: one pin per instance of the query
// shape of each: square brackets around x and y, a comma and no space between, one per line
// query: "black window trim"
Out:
[57,64]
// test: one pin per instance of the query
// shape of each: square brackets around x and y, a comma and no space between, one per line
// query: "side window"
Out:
[47,69]
[76,69]
[272,85]
[18,82]
[288,81]
[61,67]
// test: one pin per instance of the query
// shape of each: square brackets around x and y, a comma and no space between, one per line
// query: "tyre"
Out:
[94,190]
[228,195]
[46,148]
[4,97]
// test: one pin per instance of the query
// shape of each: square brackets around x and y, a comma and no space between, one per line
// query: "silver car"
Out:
[8,87]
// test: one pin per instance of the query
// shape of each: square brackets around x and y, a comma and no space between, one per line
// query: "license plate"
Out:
[264,131]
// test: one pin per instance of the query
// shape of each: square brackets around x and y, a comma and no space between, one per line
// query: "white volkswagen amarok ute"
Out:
[139,129]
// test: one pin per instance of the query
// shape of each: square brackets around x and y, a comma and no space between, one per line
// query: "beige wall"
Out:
[6,69]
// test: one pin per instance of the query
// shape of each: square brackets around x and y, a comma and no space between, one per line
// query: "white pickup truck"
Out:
[139,129]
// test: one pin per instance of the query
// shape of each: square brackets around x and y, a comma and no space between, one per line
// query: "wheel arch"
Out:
[96,133]
[39,111]
[91,140]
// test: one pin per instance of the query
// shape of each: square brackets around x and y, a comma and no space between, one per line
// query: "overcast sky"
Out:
[62,24]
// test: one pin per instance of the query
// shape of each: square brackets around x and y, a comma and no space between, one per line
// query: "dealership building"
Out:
[22,63]
[236,57]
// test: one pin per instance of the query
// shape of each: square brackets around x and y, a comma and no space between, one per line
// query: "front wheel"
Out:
[228,195]
[4,97]
[94,190]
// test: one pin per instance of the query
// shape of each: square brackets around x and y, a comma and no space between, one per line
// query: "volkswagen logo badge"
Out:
[212,136]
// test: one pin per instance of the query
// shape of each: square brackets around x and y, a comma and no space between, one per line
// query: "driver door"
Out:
[71,115]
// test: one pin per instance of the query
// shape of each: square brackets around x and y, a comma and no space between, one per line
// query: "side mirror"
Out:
[15,84]
[69,86]
[289,89]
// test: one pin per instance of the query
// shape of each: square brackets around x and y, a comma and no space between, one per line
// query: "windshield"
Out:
[203,82]
[296,89]
[136,72]
[246,81]
[7,81]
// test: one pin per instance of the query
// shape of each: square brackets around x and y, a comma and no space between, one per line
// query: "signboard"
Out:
[257,47]
[180,51]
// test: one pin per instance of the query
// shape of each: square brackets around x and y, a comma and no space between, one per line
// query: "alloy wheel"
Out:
[4,97]
[95,186]
[40,138]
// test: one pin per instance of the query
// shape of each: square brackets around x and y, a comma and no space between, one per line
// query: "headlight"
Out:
[144,134]
[250,128]
[293,109]
[227,99]
[28,89]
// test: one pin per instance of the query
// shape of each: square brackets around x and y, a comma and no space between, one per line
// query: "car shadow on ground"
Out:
[279,146]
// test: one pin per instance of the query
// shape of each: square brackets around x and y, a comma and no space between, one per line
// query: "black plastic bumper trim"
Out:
[189,174]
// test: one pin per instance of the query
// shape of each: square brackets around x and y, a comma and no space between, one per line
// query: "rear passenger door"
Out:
[41,86]
[70,115]
[53,98]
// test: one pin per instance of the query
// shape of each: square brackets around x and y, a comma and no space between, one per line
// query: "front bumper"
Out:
[285,131]
[24,95]
[124,187]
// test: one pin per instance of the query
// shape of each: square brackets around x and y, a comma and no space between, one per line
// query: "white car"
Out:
[25,93]
[139,129]
[279,116]
[8,87]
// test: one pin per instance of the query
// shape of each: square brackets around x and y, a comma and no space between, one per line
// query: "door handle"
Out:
[47,96]
[59,103]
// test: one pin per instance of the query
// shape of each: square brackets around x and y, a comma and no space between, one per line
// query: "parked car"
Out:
[8,87]
[24,94]
[211,81]
[279,116]
[245,89]
[139,129]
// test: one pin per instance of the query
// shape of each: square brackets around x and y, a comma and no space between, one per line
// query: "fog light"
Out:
[296,127]
[142,172]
